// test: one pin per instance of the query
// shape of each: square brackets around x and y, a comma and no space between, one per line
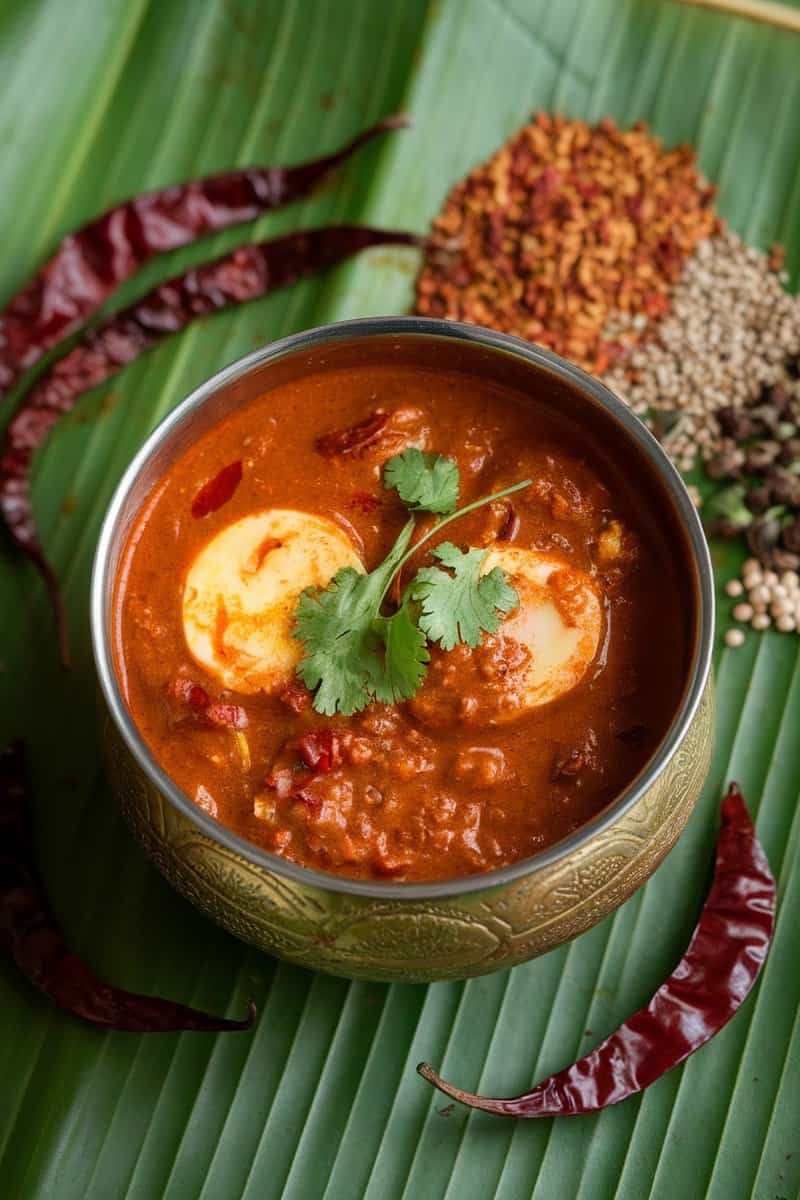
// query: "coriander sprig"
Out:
[353,653]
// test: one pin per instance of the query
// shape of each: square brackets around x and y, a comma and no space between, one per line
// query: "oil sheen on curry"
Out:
[502,747]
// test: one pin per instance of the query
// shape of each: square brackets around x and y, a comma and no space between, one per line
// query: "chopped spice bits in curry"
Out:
[420,625]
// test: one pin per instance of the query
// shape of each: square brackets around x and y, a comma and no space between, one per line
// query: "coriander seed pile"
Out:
[731,332]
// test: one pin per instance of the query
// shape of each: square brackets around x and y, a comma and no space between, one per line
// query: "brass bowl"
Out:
[411,931]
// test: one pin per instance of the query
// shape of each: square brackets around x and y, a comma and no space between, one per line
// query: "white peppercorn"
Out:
[759,595]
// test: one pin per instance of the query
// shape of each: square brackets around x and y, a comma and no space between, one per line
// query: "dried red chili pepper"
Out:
[354,438]
[704,991]
[32,938]
[510,528]
[92,262]
[217,491]
[247,273]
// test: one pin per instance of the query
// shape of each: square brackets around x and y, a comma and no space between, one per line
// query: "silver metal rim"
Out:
[102,585]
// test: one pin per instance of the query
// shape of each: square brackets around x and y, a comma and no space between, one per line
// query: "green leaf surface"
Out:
[424,482]
[115,96]
[406,656]
[342,635]
[462,606]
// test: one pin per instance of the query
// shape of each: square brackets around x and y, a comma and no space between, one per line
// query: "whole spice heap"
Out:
[705,378]
[564,226]
[719,380]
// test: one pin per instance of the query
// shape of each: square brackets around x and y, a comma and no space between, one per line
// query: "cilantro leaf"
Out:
[340,646]
[459,607]
[425,482]
[343,647]
[352,652]
[406,656]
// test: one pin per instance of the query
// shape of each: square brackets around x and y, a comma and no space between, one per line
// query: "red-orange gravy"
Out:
[446,784]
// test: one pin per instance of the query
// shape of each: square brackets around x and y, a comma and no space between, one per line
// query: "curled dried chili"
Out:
[704,991]
[246,274]
[217,491]
[32,938]
[353,439]
[92,262]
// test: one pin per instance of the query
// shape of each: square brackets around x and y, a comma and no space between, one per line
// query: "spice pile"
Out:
[565,225]
[731,332]
[605,247]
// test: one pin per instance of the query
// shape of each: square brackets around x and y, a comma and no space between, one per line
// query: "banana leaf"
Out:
[102,99]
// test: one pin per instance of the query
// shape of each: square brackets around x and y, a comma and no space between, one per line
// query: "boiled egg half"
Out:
[241,592]
[559,620]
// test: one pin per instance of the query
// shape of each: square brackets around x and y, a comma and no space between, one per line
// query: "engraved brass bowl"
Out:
[411,931]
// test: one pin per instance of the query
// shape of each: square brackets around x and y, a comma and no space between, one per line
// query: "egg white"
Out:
[559,620]
[241,591]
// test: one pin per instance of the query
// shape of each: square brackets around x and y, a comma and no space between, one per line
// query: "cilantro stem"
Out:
[440,524]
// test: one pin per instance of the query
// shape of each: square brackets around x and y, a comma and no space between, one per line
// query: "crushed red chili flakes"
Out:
[364,502]
[231,716]
[296,697]
[191,694]
[564,225]
[197,700]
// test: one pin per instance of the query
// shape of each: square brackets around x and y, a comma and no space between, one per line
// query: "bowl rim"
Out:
[102,590]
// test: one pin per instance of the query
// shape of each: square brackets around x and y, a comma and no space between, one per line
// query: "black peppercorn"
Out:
[790,537]
[735,423]
[780,399]
[760,455]
[759,498]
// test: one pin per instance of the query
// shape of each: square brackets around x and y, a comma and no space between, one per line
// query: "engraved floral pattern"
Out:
[363,937]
